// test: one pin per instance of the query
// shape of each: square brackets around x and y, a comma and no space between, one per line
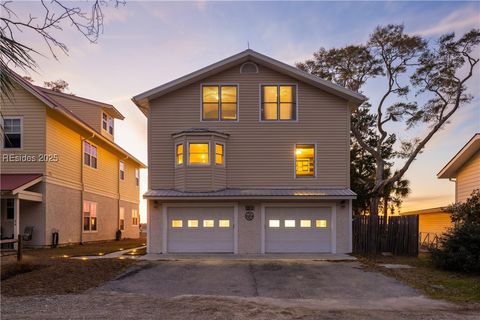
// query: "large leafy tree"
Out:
[410,68]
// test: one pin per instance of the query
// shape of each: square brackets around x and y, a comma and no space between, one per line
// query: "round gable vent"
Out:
[249,67]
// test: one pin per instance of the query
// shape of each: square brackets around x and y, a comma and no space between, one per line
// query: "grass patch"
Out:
[13,269]
[436,283]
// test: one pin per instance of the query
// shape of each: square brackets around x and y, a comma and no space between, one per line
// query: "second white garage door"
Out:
[300,230]
[200,230]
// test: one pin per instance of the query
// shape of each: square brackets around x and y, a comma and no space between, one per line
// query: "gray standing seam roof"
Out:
[245,193]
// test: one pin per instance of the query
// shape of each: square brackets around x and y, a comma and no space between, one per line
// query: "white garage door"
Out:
[200,230]
[302,230]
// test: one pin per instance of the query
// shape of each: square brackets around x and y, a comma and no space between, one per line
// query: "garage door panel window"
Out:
[177,223]
[192,223]
[224,223]
[305,223]
[208,223]
[321,223]
[289,223]
[274,223]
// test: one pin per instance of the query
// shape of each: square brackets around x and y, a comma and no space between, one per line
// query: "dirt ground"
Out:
[138,306]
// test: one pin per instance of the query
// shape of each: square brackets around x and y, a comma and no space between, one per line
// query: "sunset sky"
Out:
[145,44]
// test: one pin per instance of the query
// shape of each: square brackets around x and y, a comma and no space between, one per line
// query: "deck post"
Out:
[16,221]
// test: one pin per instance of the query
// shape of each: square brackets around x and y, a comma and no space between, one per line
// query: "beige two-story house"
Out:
[63,178]
[250,156]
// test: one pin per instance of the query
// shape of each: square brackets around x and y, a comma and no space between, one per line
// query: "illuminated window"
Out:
[198,153]
[274,223]
[219,153]
[135,217]
[89,216]
[305,223]
[122,170]
[224,223]
[278,103]
[219,103]
[192,223]
[289,223]
[122,218]
[177,223]
[208,223]
[321,223]
[89,154]
[179,154]
[305,160]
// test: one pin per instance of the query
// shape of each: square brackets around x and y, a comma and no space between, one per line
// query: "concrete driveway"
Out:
[344,284]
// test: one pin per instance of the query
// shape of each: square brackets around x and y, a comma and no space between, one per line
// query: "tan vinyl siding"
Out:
[66,143]
[89,113]
[104,178]
[468,178]
[259,154]
[33,116]
[128,189]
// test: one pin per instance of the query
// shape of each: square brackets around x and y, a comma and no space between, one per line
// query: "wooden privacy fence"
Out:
[375,234]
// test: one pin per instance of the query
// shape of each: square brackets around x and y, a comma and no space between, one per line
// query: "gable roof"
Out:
[456,163]
[114,112]
[248,55]
[45,98]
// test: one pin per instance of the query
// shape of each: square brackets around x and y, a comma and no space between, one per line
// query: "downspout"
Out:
[118,193]
[83,185]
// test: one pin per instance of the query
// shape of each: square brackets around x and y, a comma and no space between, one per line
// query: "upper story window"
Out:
[12,132]
[89,154]
[179,154]
[89,216]
[122,170]
[137,177]
[219,103]
[305,160]
[107,123]
[198,153]
[219,153]
[278,103]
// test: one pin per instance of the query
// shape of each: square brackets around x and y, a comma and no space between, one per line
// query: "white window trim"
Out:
[120,170]
[138,217]
[260,102]
[219,85]
[224,154]
[175,154]
[315,163]
[120,210]
[21,133]
[106,121]
[83,154]
[137,177]
[89,224]
[209,154]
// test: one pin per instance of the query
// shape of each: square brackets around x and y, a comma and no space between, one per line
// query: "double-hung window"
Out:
[219,103]
[135,217]
[219,153]
[278,103]
[89,154]
[198,153]
[137,177]
[104,121]
[110,125]
[89,216]
[122,219]
[305,160]
[122,170]
[12,132]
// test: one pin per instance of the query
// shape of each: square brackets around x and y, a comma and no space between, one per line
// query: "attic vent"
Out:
[249,67]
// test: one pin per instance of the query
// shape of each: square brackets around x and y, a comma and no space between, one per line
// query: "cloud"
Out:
[468,17]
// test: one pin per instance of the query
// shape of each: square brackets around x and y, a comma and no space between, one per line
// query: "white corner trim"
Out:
[263,226]
[235,228]
[350,231]
[333,229]
[165,228]
[149,226]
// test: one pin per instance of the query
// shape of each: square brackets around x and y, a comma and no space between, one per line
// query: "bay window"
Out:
[198,153]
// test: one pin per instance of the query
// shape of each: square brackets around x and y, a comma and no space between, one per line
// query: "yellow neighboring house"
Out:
[464,170]
[62,174]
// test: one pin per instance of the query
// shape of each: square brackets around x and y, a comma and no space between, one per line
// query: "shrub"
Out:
[459,247]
